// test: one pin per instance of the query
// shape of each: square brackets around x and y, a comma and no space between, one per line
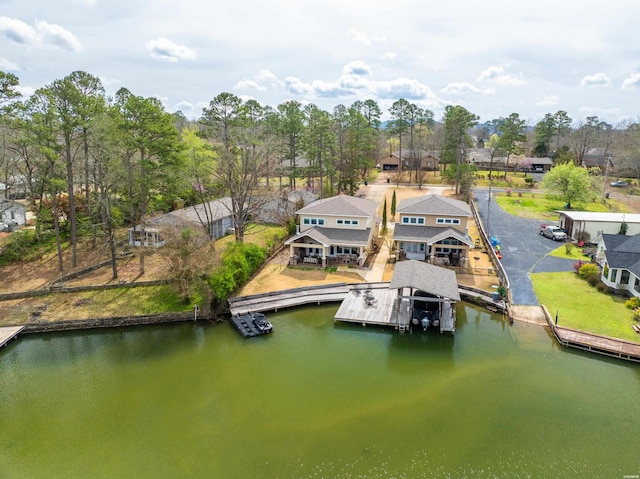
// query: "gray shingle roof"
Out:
[434,205]
[335,236]
[623,252]
[340,205]
[425,277]
[427,234]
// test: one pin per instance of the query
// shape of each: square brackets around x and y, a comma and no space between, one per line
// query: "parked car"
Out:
[553,232]
[618,183]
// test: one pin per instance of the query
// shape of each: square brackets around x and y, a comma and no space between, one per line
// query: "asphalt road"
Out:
[524,251]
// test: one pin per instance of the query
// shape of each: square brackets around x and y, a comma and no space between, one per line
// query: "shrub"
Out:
[632,303]
[583,236]
[528,180]
[636,314]
[594,280]
[602,287]
[588,270]
[508,192]
[568,247]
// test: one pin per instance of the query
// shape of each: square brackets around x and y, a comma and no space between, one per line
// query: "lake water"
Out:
[315,400]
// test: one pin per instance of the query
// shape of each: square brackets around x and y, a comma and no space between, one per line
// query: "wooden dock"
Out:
[288,298]
[368,305]
[615,348]
[7,333]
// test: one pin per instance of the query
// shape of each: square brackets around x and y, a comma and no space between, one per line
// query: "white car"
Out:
[553,232]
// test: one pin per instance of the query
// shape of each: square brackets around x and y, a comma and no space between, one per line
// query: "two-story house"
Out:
[336,230]
[433,228]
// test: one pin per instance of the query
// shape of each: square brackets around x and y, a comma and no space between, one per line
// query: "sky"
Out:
[494,57]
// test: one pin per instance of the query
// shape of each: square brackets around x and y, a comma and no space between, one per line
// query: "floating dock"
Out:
[245,326]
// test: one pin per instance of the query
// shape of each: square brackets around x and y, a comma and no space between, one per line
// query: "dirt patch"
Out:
[276,276]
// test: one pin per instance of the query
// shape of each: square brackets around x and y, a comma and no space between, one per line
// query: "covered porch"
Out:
[322,248]
[443,248]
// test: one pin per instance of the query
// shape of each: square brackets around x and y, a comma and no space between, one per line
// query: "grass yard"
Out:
[538,206]
[574,253]
[582,307]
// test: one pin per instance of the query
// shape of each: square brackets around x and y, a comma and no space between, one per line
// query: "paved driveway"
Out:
[524,251]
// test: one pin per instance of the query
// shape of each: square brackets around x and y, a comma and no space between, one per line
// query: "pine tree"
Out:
[384,217]
[393,206]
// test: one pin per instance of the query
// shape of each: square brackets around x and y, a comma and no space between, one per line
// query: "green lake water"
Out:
[315,400]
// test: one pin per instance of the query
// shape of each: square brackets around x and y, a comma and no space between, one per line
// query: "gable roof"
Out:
[623,252]
[434,205]
[428,234]
[408,153]
[220,208]
[342,205]
[333,236]
[425,277]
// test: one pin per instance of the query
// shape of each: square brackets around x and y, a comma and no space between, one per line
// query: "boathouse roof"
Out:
[425,277]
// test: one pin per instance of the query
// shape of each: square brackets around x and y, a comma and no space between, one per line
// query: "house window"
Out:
[624,277]
[313,221]
[636,285]
[343,221]
[412,220]
[614,275]
[447,221]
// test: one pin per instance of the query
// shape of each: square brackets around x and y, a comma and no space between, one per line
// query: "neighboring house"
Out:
[337,230]
[481,157]
[216,214]
[574,222]
[280,209]
[12,214]
[595,157]
[433,228]
[424,160]
[619,256]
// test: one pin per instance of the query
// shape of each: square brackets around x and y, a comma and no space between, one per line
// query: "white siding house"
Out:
[339,229]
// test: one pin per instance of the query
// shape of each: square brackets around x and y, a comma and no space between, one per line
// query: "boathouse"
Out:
[419,296]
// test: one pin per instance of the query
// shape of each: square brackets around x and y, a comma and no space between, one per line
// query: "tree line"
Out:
[90,163]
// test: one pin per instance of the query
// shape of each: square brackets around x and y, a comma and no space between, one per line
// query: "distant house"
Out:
[422,159]
[277,210]
[12,214]
[619,256]
[481,157]
[574,222]
[433,228]
[336,230]
[215,214]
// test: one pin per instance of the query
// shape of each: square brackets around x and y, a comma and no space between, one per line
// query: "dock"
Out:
[244,324]
[612,347]
[288,298]
[7,333]
[369,305]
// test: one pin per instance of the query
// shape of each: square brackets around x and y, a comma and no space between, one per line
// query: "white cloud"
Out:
[632,82]
[40,35]
[457,88]
[297,86]
[357,67]
[359,37]
[265,75]
[8,65]
[389,56]
[549,100]
[165,50]
[25,91]
[106,81]
[597,80]
[87,3]
[50,33]
[402,88]
[248,85]
[495,74]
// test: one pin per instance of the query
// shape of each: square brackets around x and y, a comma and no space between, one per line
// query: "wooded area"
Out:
[89,164]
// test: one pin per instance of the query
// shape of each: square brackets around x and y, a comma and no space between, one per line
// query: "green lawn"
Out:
[581,306]
[574,253]
[537,205]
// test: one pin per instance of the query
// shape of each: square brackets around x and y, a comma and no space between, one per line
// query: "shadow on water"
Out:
[122,345]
